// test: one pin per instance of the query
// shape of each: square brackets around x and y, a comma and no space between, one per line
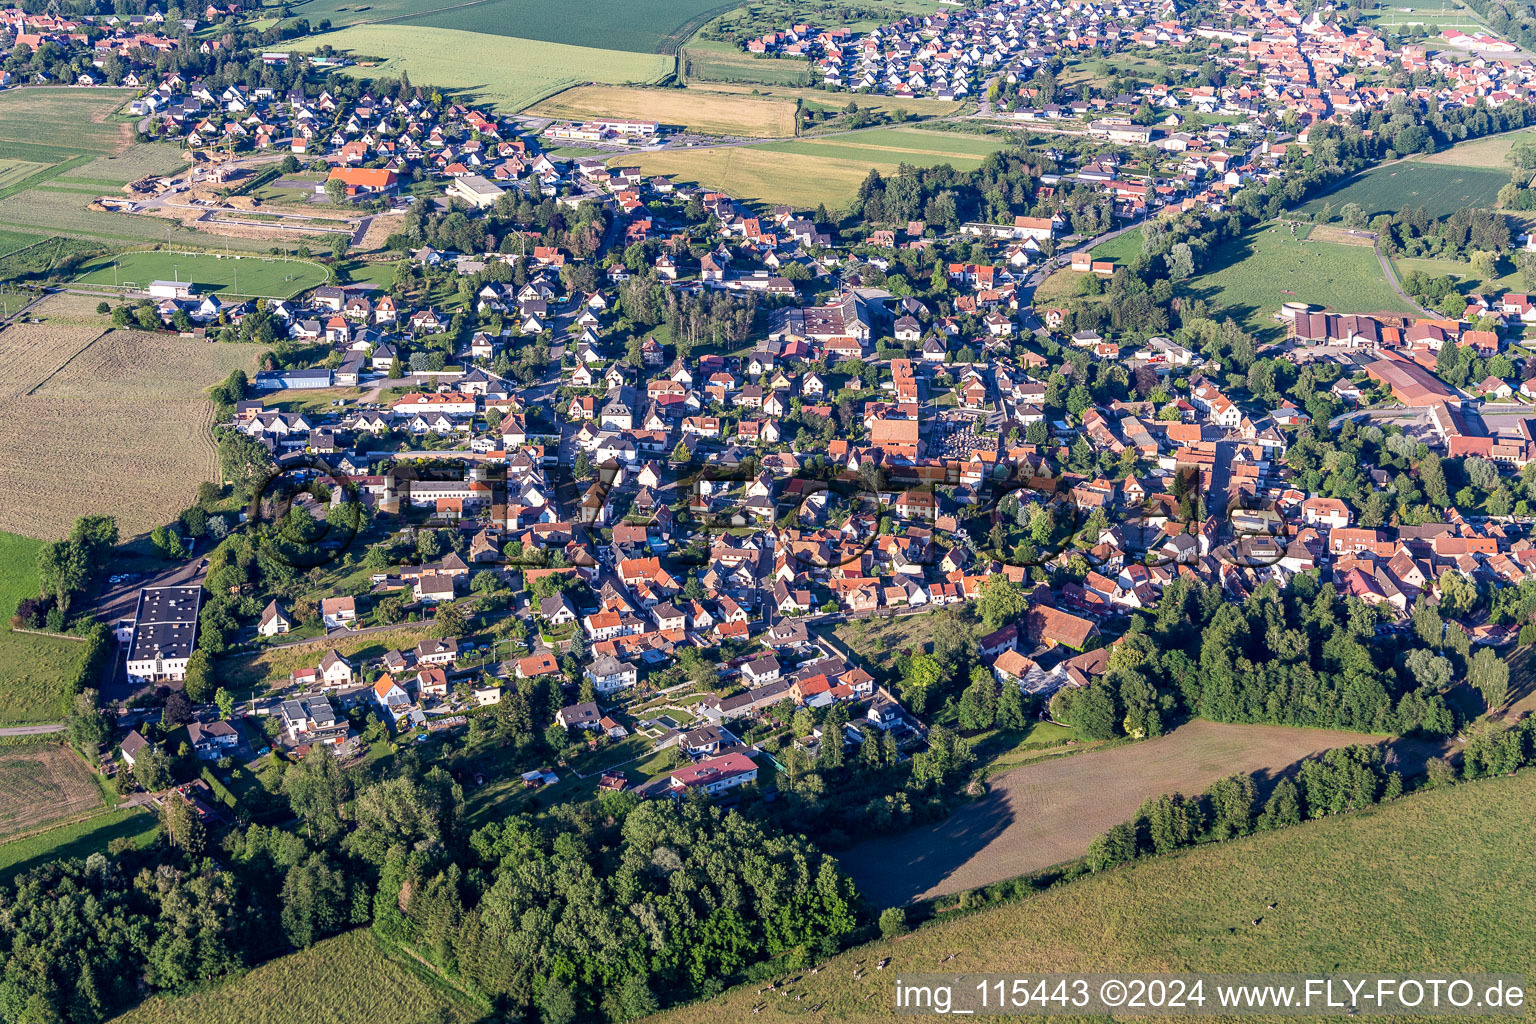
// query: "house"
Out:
[761,671]
[610,675]
[133,747]
[338,611]
[390,698]
[579,716]
[335,670]
[273,620]
[213,740]
[713,775]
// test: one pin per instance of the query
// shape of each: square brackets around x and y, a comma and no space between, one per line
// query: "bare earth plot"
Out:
[1046,813]
[116,425]
[42,784]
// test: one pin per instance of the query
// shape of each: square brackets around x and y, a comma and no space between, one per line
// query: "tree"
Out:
[152,770]
[88,728]
[893,922]
[200,682]
[1001,601]
[1181,262]
[335,190]
[316,790]
[1283,807]
[448,620]
[556,1004]
[1490,674]
[1011,713]
[225,702]
[180,826]
[681,453]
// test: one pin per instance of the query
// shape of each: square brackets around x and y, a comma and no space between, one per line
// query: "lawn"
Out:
[636,26]
[34,670]
[1440,188]
[1433,883]
[1046,813]
[510,73]
[713,113]
[347,977]
[806,172]
[1498,285]
[77,839]
[1120,248]
[1269,265]
[270,278]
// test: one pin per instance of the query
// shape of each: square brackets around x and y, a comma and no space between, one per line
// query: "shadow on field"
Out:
[894,881]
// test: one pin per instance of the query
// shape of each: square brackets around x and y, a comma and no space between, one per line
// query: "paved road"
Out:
[32,730]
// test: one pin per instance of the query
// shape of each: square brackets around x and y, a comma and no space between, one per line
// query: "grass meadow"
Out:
[510,73]
[254,276]
[34,669]
[1430,882]
[1251,276]
[344,978]
[77,839]
[714,113]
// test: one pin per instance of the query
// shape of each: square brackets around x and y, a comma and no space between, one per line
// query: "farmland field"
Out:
[806,172]
[1268,266]
[1440,188]
[701,111]
[919,106]
[34,669]
[346,977]
[82,398]
[42,783]
[1046,813]
[1432,882]
[105,172]
[511,73]
[30,115]
[714,62]
[637,26]
[271,278]
[53,212]
[13,172]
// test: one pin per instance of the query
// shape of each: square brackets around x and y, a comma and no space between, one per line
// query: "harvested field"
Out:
[1338,235]
[1432,882]
[1047,813]
[1492,151]
[80,437]
[750,116]
[43,783]
[34,115]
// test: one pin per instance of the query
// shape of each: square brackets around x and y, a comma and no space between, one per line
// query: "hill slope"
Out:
[1433,881]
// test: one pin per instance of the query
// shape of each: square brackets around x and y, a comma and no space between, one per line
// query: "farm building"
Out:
[292,380]
[1410,383]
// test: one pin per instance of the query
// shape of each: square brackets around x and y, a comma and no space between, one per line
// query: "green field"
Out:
[344,978]
[806,172]
[1267,266]
[80,839]
[1120,248]
[511,73]
[250,276]
[34,670]
[1432,882]
[637,26]
[1440,188]
[34,117]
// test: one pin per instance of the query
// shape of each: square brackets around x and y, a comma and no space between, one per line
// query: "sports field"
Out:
[713,113]
[34,670]
[346,977]
[1440,188]
[250,276]
[637,26]
[42,783]
[1430,883]
[1046,813]
[511,73]
[1269,265]
[806,172]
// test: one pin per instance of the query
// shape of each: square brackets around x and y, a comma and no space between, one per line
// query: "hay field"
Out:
[510,73]
[344,978]
[920,105]
[113,423]
[1492,151]
[35,115]
[715,114]
[1046,813]
[1432,882]
[43,783]
[36,671]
